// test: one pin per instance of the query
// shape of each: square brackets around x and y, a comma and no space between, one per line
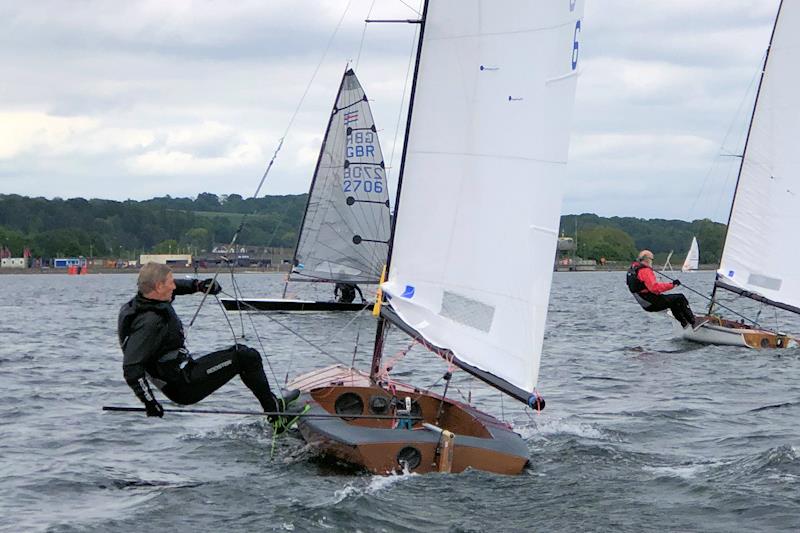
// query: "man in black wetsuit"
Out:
[345,293]
[152,340]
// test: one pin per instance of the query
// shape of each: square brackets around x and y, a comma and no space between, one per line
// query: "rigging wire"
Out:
[411,8]
[402,101]
[275,154]
[363,33]
[661,273]
[745,98]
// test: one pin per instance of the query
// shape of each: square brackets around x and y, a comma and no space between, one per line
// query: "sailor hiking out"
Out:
[152,340]
[649,293]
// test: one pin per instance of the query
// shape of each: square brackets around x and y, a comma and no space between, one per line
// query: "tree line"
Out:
[620,238]
[108,228]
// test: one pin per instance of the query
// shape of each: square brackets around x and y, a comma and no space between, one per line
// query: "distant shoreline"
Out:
[177,270]
[616,267]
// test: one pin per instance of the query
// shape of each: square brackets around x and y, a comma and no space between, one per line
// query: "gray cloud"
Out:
[145,98]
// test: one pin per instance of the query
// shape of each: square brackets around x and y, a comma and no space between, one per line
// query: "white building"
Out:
[166,259]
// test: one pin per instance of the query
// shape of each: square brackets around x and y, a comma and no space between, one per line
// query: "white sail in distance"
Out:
[760,253]
[345,231]
[692,261]
[484,163]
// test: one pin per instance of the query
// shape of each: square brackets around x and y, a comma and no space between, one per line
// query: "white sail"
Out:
[478,213]
[761,252]
[692,261]
[346,227]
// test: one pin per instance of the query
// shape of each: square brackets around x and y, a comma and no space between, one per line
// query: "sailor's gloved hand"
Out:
[154,408]
[203,286]
[676,282]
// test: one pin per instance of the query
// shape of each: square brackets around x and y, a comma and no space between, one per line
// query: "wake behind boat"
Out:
[345,230]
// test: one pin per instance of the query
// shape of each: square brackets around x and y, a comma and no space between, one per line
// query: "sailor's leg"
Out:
[679,306]
[208,373]
[253,376]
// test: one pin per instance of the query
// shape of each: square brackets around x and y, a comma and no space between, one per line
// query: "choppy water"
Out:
[641,431]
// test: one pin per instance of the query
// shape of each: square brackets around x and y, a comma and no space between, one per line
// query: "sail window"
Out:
[765,282]
[467,311]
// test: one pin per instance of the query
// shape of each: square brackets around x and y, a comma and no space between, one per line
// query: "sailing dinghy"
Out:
[345,230]
[692,261]
[483,162]
[759,257]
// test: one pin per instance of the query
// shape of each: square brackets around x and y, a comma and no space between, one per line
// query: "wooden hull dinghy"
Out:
[716,330]
[462,185]
[758,258]
[281,304]
[385,446]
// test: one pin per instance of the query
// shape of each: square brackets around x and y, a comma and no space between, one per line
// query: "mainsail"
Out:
[760,254]
[345,230]
[483,164]
[692,261]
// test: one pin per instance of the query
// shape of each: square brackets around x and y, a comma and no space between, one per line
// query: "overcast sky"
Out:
[136,99]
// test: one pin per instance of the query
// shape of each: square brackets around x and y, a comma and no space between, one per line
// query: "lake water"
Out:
[641,431]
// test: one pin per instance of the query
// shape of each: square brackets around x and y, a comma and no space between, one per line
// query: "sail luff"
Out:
[380,330]
[314,178]
[757,256]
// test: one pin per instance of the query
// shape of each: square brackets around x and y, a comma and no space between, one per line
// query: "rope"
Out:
[294,332]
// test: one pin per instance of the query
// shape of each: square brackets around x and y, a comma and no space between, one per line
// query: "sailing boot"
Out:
[281,423]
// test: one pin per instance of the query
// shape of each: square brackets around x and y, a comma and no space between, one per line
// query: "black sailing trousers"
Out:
[200,377]
[677,303]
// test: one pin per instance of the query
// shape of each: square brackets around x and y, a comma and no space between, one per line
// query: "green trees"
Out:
[78,226]
[659,235]
[611,243]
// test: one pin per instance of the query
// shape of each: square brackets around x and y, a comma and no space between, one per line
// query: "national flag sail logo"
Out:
[350,117]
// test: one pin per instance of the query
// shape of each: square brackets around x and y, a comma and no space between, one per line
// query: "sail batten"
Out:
[759,255]
[345,228]
[481,180]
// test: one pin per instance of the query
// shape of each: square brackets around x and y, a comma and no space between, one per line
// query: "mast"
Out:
[314,177]
[380,330]
[744,151]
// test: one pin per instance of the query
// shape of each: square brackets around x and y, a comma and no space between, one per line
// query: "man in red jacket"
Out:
[649,293]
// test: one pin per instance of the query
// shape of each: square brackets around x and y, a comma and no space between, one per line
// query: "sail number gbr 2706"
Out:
[362,176]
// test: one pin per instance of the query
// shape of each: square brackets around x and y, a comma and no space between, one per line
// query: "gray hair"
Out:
[150,274]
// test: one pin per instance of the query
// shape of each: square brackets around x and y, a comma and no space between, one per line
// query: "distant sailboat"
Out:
[485,155]
[345,230]
[759,258]
[692,261]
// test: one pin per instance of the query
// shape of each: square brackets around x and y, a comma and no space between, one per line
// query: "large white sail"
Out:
[346,227]
[692,261]
[478,213]
[761,252]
